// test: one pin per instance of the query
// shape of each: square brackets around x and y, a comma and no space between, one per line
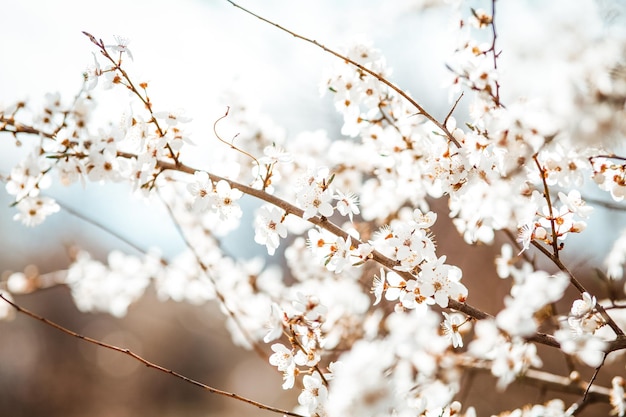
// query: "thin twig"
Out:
[293,339]
[211,279]
[101,226]
[607,156]
[445,121]
[493,49]
[593,378]
[380,78]
[546,195]
[231,144]
[22,128]
[289,208]
[147,362]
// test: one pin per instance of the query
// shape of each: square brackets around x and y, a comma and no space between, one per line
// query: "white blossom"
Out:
[451,329]
[269,228]
[34,210]
[618,397]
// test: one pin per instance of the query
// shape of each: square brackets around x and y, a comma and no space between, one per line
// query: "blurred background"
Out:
[191,52]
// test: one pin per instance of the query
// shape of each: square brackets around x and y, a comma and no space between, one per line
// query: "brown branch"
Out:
[617,344]
[21,128]
[542,338]
[494,53]
[230,144]
[380,78]
[468,309]
[289,208]
[324,223]
[456,103]
[607,156]
[147,362]
[593,378]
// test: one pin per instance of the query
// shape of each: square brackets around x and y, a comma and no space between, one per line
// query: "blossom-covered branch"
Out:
[363,314]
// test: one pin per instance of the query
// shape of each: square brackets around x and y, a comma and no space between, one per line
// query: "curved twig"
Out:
[230,144]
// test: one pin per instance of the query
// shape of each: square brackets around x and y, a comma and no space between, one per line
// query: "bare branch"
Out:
[593,378]
[101,226]
[231,144]
[495,54]
[21,128]
[147,362]
[445,121]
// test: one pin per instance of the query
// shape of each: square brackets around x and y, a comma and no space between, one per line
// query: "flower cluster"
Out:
[554,221]
[528,296]
[314,195]
[219,197]
[109,288]
[509,357]
[610,176]
[302,322]
[431,281]
[473,62]
[578,334]
[269,228]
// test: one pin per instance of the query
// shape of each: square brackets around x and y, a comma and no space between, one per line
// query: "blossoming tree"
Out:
[367,317]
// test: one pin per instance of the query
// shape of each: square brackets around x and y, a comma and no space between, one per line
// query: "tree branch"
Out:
[147,362]
[380,78]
